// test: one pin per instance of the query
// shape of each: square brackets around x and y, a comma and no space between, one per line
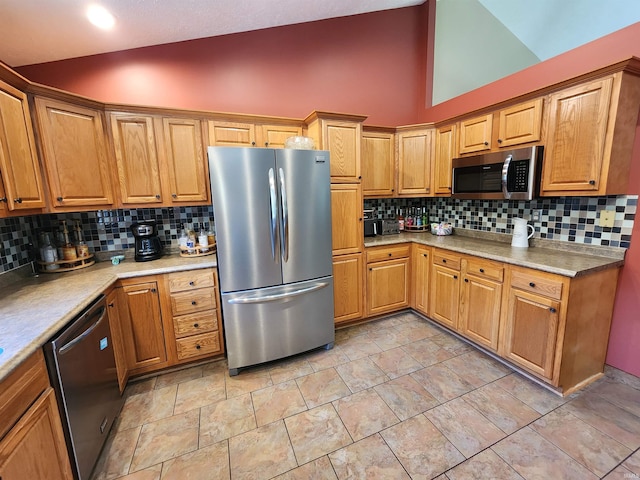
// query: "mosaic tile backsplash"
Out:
[570,219]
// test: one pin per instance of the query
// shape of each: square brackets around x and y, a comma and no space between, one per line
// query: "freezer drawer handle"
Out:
[68,346]
[279,296]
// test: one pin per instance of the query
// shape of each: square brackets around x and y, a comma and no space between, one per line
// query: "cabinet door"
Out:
[114,306]
[35,446]
[387,286]
[475,134]
[445,294]
[420,269]
[480,311]
[531,330]
[19,168]
[445,152]
[75,154]
[186,160]
[346,218]
[274,136]
[143,327]
[347,287]
[577,127]
[343,139]
[521,123]
[378,164]
[134,145]
[414,163]
[232,134]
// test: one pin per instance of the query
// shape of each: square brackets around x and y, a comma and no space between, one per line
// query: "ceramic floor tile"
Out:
[534,395]
[502,408]
[441,382]
[417,329]
[451,343]
[364,413]
[427,353]
[178,376]
[615,375]
[623,395]
[261,453]
[607,417]
[483,466]
[290,370]
[534,457]
[396,362]
[116,456]
[151,473]
[420,447]
[633,463]
[621,473]
[319,469]
[406,397]
[316,432]
[322,387]
[593,449]
[204,464]
[225,419]
[165,439]
[361,374]
[147,407]
[359,347]
[215,367]
[370,458]
[136,387]
[477,368]
[323,359]
[465,427]
[277,402]
[247,381]
[199,392]
[389,337]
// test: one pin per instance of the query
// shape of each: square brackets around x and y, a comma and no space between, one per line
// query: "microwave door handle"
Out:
[505,174]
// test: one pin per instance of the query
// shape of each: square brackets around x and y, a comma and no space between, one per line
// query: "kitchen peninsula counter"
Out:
[562,258]
[33,309]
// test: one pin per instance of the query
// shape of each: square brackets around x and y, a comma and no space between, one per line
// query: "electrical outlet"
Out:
[536,215]
[606,218]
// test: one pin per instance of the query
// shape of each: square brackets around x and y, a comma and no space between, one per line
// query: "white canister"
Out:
[203,241]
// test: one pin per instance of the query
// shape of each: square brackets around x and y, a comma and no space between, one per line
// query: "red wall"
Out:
[370,64]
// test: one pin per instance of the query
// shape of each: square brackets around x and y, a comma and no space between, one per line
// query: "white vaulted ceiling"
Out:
[36,31]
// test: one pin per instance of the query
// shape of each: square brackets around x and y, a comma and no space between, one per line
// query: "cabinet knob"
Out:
[158,197]
[3,199]
[444,260]
[253,144]
[427,189]
[486,143]
[59,199]
[455,277]
[371,269]
[196,325]
[359,177]
[192,283]
[198,347]
[466,280]
[390,254]
[393,189]
[532,285]
[482,270]
[360,219]
[194,302]
[266,144]
[153,290]
[592,182]
[17,200]
[499,141]
[111,304]
[424,255]
[173,195]
[552,310]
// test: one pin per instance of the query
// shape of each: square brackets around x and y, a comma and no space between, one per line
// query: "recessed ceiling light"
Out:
[100,17]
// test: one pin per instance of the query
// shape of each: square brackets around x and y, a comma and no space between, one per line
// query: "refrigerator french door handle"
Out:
[284,244]
[278,296]
[273,205]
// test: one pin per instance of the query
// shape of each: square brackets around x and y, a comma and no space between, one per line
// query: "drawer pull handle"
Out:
[193,302]
[192,283]
[390,254]
[482,270]
[444,260]
[196,325]
[532,285]
[552,310]
[198,347]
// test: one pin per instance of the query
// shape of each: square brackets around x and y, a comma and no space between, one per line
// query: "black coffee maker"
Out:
[148,245]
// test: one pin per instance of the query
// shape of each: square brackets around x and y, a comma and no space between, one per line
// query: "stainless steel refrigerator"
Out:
[272,211]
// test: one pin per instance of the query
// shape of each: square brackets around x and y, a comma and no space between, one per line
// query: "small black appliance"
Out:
[148,245]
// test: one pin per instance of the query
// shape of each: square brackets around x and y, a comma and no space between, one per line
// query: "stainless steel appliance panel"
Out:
[83,371]
[271,323]
[305,214]
[245,205]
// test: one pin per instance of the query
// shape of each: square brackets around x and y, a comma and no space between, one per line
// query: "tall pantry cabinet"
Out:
[341,135]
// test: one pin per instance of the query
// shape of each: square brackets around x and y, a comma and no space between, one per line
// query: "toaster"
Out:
[389,227]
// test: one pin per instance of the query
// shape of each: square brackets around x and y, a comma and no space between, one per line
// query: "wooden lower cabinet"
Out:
[32,444]
[114,309]
[420,271]
[445,293]
[387,283]
[479,310]
[347,288]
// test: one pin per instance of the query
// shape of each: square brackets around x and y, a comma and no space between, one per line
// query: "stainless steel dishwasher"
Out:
[82,368]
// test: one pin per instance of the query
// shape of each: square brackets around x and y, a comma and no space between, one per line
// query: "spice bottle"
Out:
[82,249]
[68,250]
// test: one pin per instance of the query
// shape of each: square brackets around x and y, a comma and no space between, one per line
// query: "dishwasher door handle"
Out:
[100,313]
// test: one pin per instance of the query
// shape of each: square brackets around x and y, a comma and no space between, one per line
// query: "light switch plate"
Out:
[606,218]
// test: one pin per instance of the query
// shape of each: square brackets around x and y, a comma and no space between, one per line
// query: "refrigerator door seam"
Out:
[278,296]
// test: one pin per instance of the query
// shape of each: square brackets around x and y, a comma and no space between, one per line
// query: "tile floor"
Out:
[395,399]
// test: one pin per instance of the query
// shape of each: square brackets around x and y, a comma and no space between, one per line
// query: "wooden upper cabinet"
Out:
[346,218]
[475,134]
[591,129]
[520,124]
[75,154]
[274,136]
[19,167]
[186,160]
[445,152]
[414,162]
[378,163]
[231,134]
[136,158]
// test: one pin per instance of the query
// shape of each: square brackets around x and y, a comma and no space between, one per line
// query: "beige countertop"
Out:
[32,309]
[562,258]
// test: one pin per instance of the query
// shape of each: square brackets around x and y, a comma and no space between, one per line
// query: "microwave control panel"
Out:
[519,178]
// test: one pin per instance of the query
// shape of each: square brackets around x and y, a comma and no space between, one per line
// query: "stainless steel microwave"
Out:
[512,175]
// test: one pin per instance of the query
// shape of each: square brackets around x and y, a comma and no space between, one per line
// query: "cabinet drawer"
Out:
[533,283]
[190,302]
[190,280]
[195,323]
[485,269]
[197,345]
[388,253]
[446,259]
